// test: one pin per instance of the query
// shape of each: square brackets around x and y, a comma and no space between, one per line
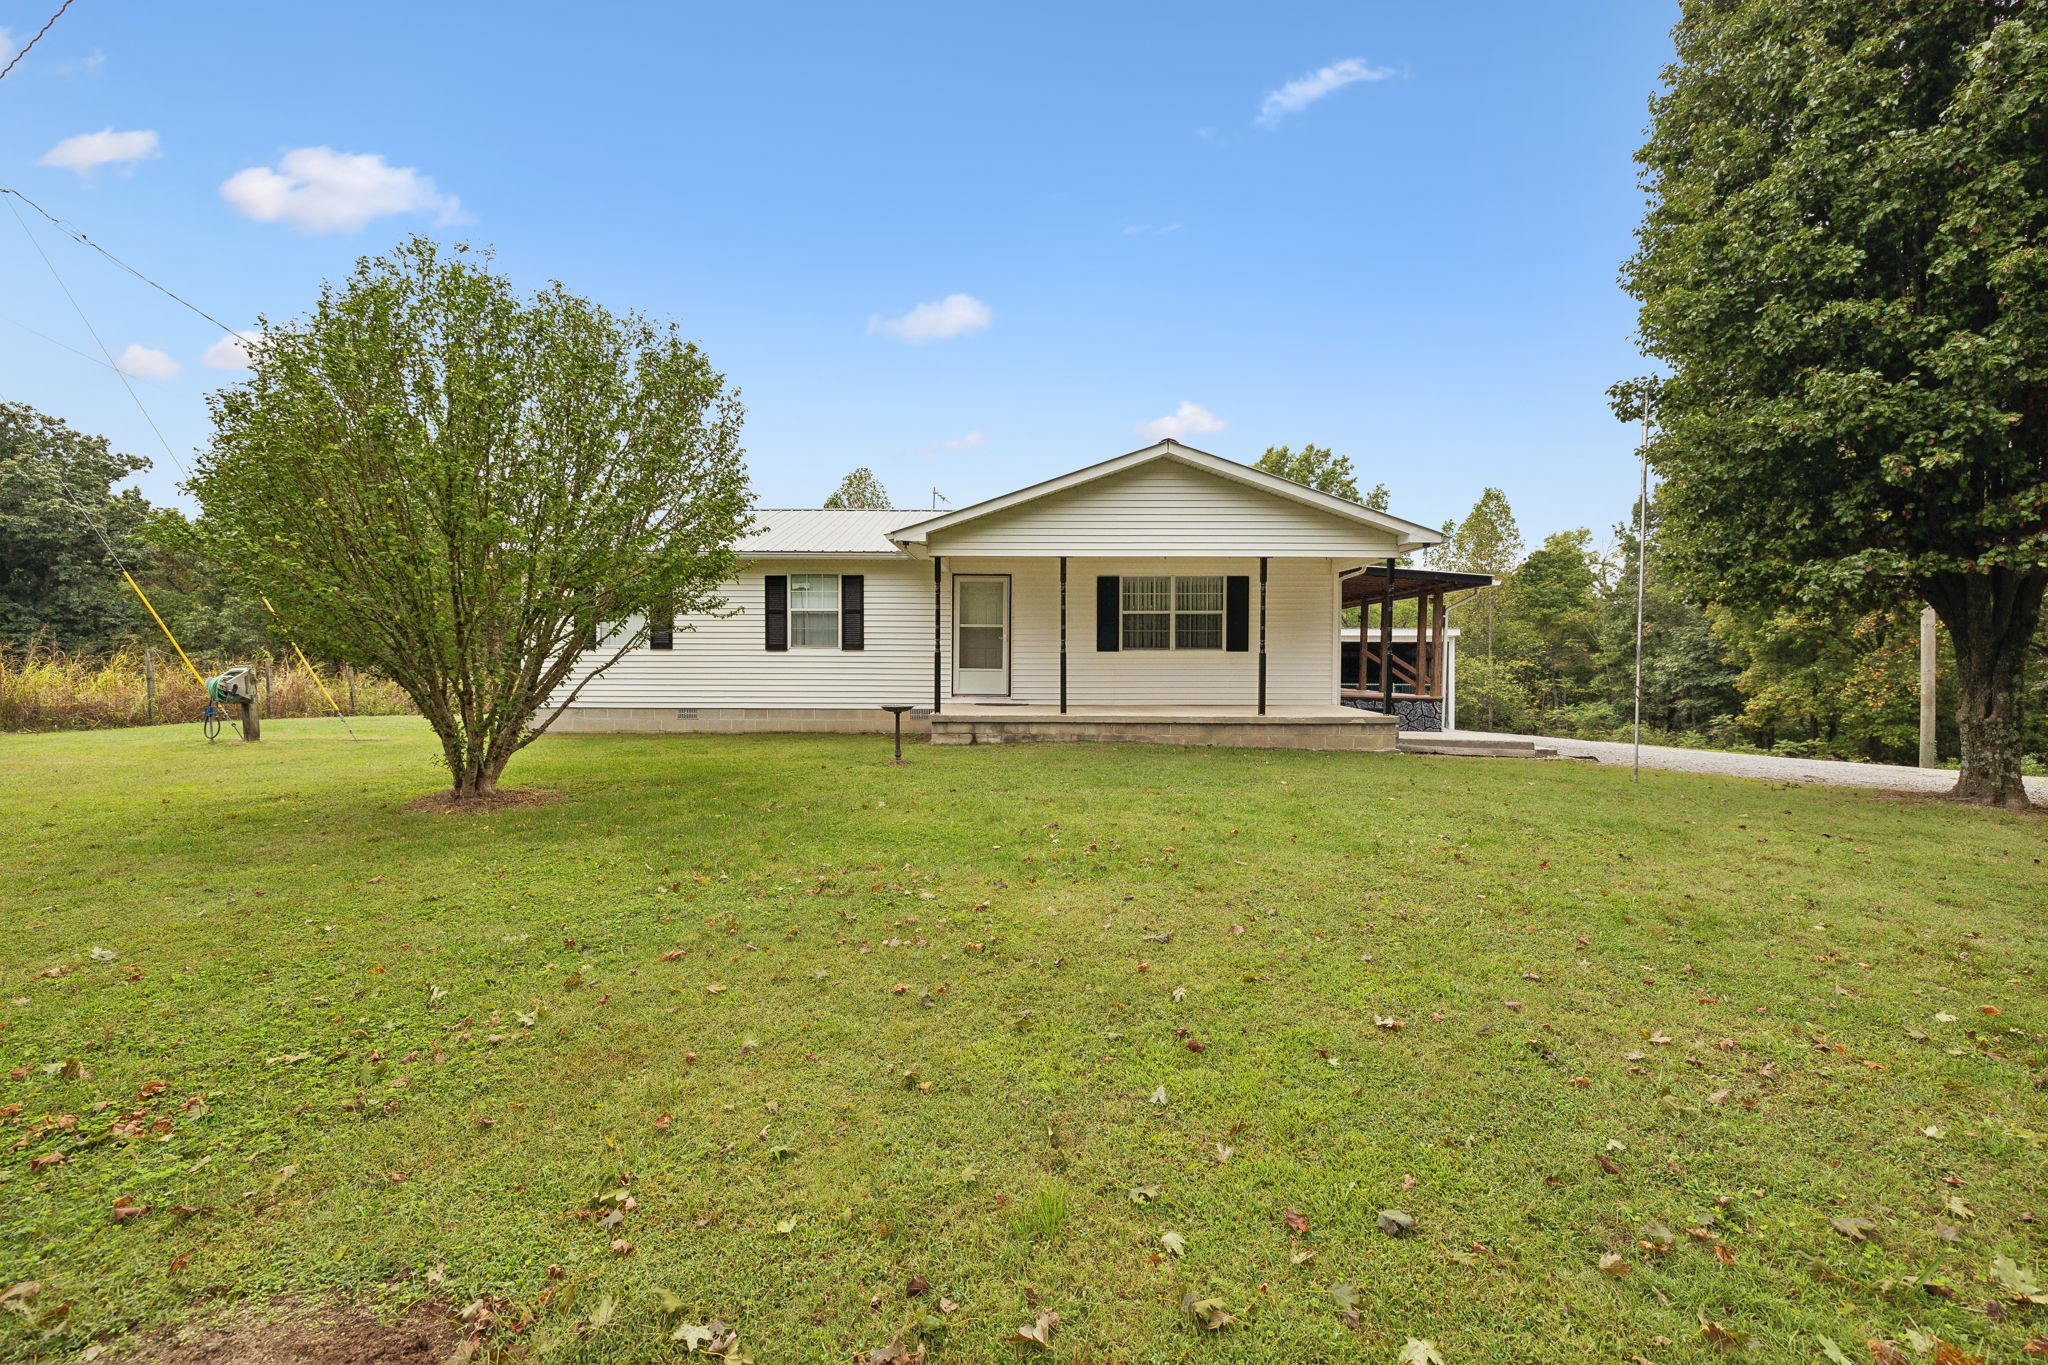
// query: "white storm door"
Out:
[981,635]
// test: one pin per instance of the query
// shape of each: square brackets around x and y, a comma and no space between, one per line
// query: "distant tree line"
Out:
[66,527]
[1551,650]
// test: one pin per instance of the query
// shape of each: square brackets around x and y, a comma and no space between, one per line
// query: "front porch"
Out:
[1310,727]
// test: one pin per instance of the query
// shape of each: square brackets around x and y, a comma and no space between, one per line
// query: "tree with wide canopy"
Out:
[469,492]
[1845,266]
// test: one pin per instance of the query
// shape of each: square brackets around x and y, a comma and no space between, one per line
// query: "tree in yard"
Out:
[439,481]
[1322,469]
[1845,266]
[860,489]
[1487,541]
[59,583]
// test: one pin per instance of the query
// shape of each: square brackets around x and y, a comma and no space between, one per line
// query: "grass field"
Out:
[1061,1029]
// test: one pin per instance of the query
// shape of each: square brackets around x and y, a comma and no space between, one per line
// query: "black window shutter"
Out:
[1237,613]
[661,627]
[853,615]
[777,585]
[1109,607]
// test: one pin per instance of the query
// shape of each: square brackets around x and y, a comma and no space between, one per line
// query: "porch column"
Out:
[1262,635]
[1386,642]
[1063,635]
[938,631]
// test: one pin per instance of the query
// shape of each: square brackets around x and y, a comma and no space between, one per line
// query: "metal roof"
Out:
[824,531]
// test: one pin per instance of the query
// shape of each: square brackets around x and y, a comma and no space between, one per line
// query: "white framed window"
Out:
[814,611]
[1166,611]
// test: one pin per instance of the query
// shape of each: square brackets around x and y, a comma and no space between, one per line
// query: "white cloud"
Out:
[145,362]
[1298,95]
[91,64]
[231,352]
[1189,419]
[317,189]
[956,315]
[82,152]
[967,442]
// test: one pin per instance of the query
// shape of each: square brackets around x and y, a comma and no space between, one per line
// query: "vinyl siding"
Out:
[719,661]
[1164,507]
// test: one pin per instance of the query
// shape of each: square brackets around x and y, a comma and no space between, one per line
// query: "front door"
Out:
[981,635]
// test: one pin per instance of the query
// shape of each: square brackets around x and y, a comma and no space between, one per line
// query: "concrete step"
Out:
[1422,742]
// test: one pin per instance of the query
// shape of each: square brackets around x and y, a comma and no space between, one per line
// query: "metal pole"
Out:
[1642,556]
[149,685]
[1928,757]
[899,736]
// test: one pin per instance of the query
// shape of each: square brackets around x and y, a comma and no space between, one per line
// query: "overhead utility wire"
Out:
[113,365]
[77,236]
[111,362]
[37,39]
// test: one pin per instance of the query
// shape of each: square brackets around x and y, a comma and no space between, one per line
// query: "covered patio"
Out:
[1405,678]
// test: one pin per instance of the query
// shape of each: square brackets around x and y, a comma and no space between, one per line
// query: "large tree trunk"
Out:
[1991,618]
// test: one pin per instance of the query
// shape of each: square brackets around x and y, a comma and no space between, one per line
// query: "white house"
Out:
[1167,595]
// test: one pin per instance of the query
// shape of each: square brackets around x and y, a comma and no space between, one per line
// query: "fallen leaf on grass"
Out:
[1208,1313]
[1395,1223]
[17,1297]
[1175,1244]
[1833,1352]
[2022,1286]
[1884,1352]
[1295,1222]
[1718,1335]
[896,1353]
[1420,1351]
[1612,1264]
[1855,1229]
[1038,1332]
[1144,1194]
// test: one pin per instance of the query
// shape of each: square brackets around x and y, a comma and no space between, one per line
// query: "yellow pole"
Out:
[307,665]
[164,628]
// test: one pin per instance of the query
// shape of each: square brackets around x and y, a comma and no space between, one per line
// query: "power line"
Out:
[37,39]
[112,364]
[77,236]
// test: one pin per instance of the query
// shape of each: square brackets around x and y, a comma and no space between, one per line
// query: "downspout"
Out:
[938,630]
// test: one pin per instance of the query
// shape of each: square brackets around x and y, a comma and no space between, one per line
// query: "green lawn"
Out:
[831,1025]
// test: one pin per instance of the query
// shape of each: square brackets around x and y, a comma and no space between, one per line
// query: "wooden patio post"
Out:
[1386,643]
[148,685]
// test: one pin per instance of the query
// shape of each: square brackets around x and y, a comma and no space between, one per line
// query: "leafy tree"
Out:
[1843,267]
[58,582]
[1486,541]
[1555,612]
[1325,471]
[457,488]
[860,489]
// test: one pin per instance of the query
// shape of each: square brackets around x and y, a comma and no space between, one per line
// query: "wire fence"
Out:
[43,688]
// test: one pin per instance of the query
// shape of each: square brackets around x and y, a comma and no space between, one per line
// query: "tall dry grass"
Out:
[47,689]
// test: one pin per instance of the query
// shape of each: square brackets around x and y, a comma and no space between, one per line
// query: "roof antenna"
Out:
[937,498]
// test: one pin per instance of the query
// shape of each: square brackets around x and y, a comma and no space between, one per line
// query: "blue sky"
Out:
[967,247]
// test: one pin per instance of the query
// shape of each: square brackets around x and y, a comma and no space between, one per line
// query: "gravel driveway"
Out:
[1883,776]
